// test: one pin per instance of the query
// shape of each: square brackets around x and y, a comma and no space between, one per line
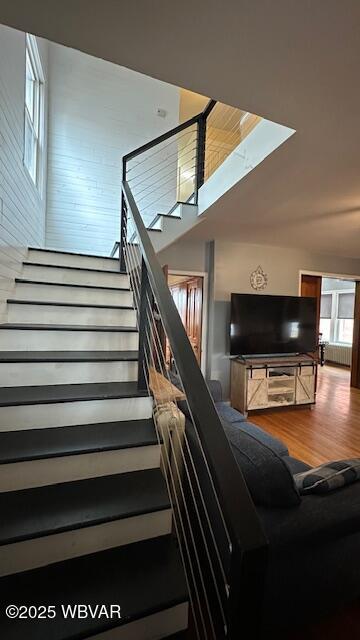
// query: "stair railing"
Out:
[221,540]
[162,173]
[173,167]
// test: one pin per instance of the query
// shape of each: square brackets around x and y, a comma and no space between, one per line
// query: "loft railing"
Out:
[221,540]
[173,167]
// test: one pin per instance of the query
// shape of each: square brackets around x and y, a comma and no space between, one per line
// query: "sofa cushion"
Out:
[295,465]
[228,413]
[266,473]
[328,477]
[215,389]
[263,436]
[235,417]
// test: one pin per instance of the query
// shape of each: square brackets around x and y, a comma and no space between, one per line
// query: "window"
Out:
[345,331]
[345,317]
[325,316]
[34,112]
[337,316]
[325,329]
[326,305]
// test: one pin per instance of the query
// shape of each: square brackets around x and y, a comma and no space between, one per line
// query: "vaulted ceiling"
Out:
[293,62]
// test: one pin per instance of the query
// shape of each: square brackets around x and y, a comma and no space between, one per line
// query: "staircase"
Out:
[85,512]
[97,473]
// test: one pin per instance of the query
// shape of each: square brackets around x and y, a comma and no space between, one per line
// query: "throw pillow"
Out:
[328,477]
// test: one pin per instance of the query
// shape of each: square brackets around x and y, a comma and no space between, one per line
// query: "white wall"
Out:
[234,263]
[183,254]
[22,209]
[98,112]
[258,145]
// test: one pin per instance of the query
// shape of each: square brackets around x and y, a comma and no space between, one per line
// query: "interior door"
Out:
[194,314]
[188,297]
[355,365]
[179,294]
[311,288]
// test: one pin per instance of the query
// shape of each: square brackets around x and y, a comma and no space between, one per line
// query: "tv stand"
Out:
[273,381]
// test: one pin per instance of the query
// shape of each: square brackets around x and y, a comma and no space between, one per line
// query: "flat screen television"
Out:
[263,325]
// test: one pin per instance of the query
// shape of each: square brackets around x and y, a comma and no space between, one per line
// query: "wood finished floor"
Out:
[328,431]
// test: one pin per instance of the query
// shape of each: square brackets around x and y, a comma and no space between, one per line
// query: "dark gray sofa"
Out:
[314,541]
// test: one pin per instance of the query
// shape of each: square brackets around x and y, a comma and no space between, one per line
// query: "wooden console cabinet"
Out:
[263,383]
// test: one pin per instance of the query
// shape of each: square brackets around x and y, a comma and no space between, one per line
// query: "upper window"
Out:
[34,111]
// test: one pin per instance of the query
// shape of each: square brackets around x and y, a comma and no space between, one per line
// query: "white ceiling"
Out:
[293,62]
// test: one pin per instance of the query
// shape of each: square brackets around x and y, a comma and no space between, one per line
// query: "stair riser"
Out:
[38,416]
[58,340]
[38,473]
[159,625]
[38,552]
[48,314]
[46,373]
[54,293]
[68,276]
[63,259]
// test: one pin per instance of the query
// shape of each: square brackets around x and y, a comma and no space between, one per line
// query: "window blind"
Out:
[346,306]
[325,305]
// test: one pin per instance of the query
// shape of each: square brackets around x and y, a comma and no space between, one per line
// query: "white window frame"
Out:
[35,122]
[334,321]
[337,320]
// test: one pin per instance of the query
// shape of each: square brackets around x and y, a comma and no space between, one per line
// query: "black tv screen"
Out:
[262,324]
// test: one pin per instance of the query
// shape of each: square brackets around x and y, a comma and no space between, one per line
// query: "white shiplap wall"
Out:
[98,112]
[22,209]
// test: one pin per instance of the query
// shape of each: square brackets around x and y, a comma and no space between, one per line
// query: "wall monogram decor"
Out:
[258,279]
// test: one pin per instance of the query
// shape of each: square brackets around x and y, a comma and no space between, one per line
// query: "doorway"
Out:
[338,320]
[188,291]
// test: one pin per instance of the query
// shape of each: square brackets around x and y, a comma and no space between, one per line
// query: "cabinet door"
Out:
[257,396]
[256,373]
[305,389]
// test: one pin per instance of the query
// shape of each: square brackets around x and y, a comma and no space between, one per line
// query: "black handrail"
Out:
[200,120]
[248,542]
[201,147]
[209,107]
[162,138]
[245,530]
